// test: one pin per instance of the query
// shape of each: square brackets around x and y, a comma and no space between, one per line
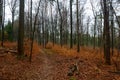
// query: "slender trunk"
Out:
[2,43]
[1,16]
[112,35]
[52,26]
[78,44]
[60,24]
[12,34]
[87,32]
[42,29]
[33,32]
[112,25]
[71,42]
[95,32]
[30,19]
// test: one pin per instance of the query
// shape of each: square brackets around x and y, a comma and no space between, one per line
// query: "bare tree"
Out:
[1,15]
[21,29]
[71,42]
[112,25]
[78,44]
[106,33]
[3,19]
[33,32]
[60,23]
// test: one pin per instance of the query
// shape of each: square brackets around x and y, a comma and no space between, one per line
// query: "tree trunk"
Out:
[2,43]
[1,15]
[95,32]
[33,32]
[112,25]
[71,42]
[21,29]
[87,43]
[13,24]
[78,44]
[106,34]
[60,24]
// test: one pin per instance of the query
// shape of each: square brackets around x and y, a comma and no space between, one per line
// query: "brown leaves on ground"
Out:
[54,63]
[94,60]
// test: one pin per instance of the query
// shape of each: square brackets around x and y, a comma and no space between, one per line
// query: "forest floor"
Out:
[48,64]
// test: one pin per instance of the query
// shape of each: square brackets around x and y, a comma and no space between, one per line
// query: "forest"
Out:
[59,39]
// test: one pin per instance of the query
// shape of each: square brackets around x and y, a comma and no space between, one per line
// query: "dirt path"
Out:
[47,67]
[42,67]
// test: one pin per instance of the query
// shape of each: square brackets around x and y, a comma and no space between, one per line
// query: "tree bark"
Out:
[33,32]
[71,42]
[106,34]
[21,29]
[78,44]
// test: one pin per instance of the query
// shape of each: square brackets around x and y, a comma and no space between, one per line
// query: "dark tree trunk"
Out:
[33,32]
[21,29]
[112,25]
[106,34]
[13,24]
[2,43]
[2,18]
[1,15]
[78,44]
[71,42]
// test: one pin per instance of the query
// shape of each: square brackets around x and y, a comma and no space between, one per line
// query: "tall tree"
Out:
[106,33]
[3,20]
[78,44]
[33,32]
[60,23]
[52,26]
[21,29]
[1,15]
[112,25]
[30,18]
[71,42]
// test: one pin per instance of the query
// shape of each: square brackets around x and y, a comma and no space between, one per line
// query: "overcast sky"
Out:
[87,7]
[8,12]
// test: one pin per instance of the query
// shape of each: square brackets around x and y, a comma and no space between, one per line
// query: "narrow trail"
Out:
[42,67]
[47,67]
